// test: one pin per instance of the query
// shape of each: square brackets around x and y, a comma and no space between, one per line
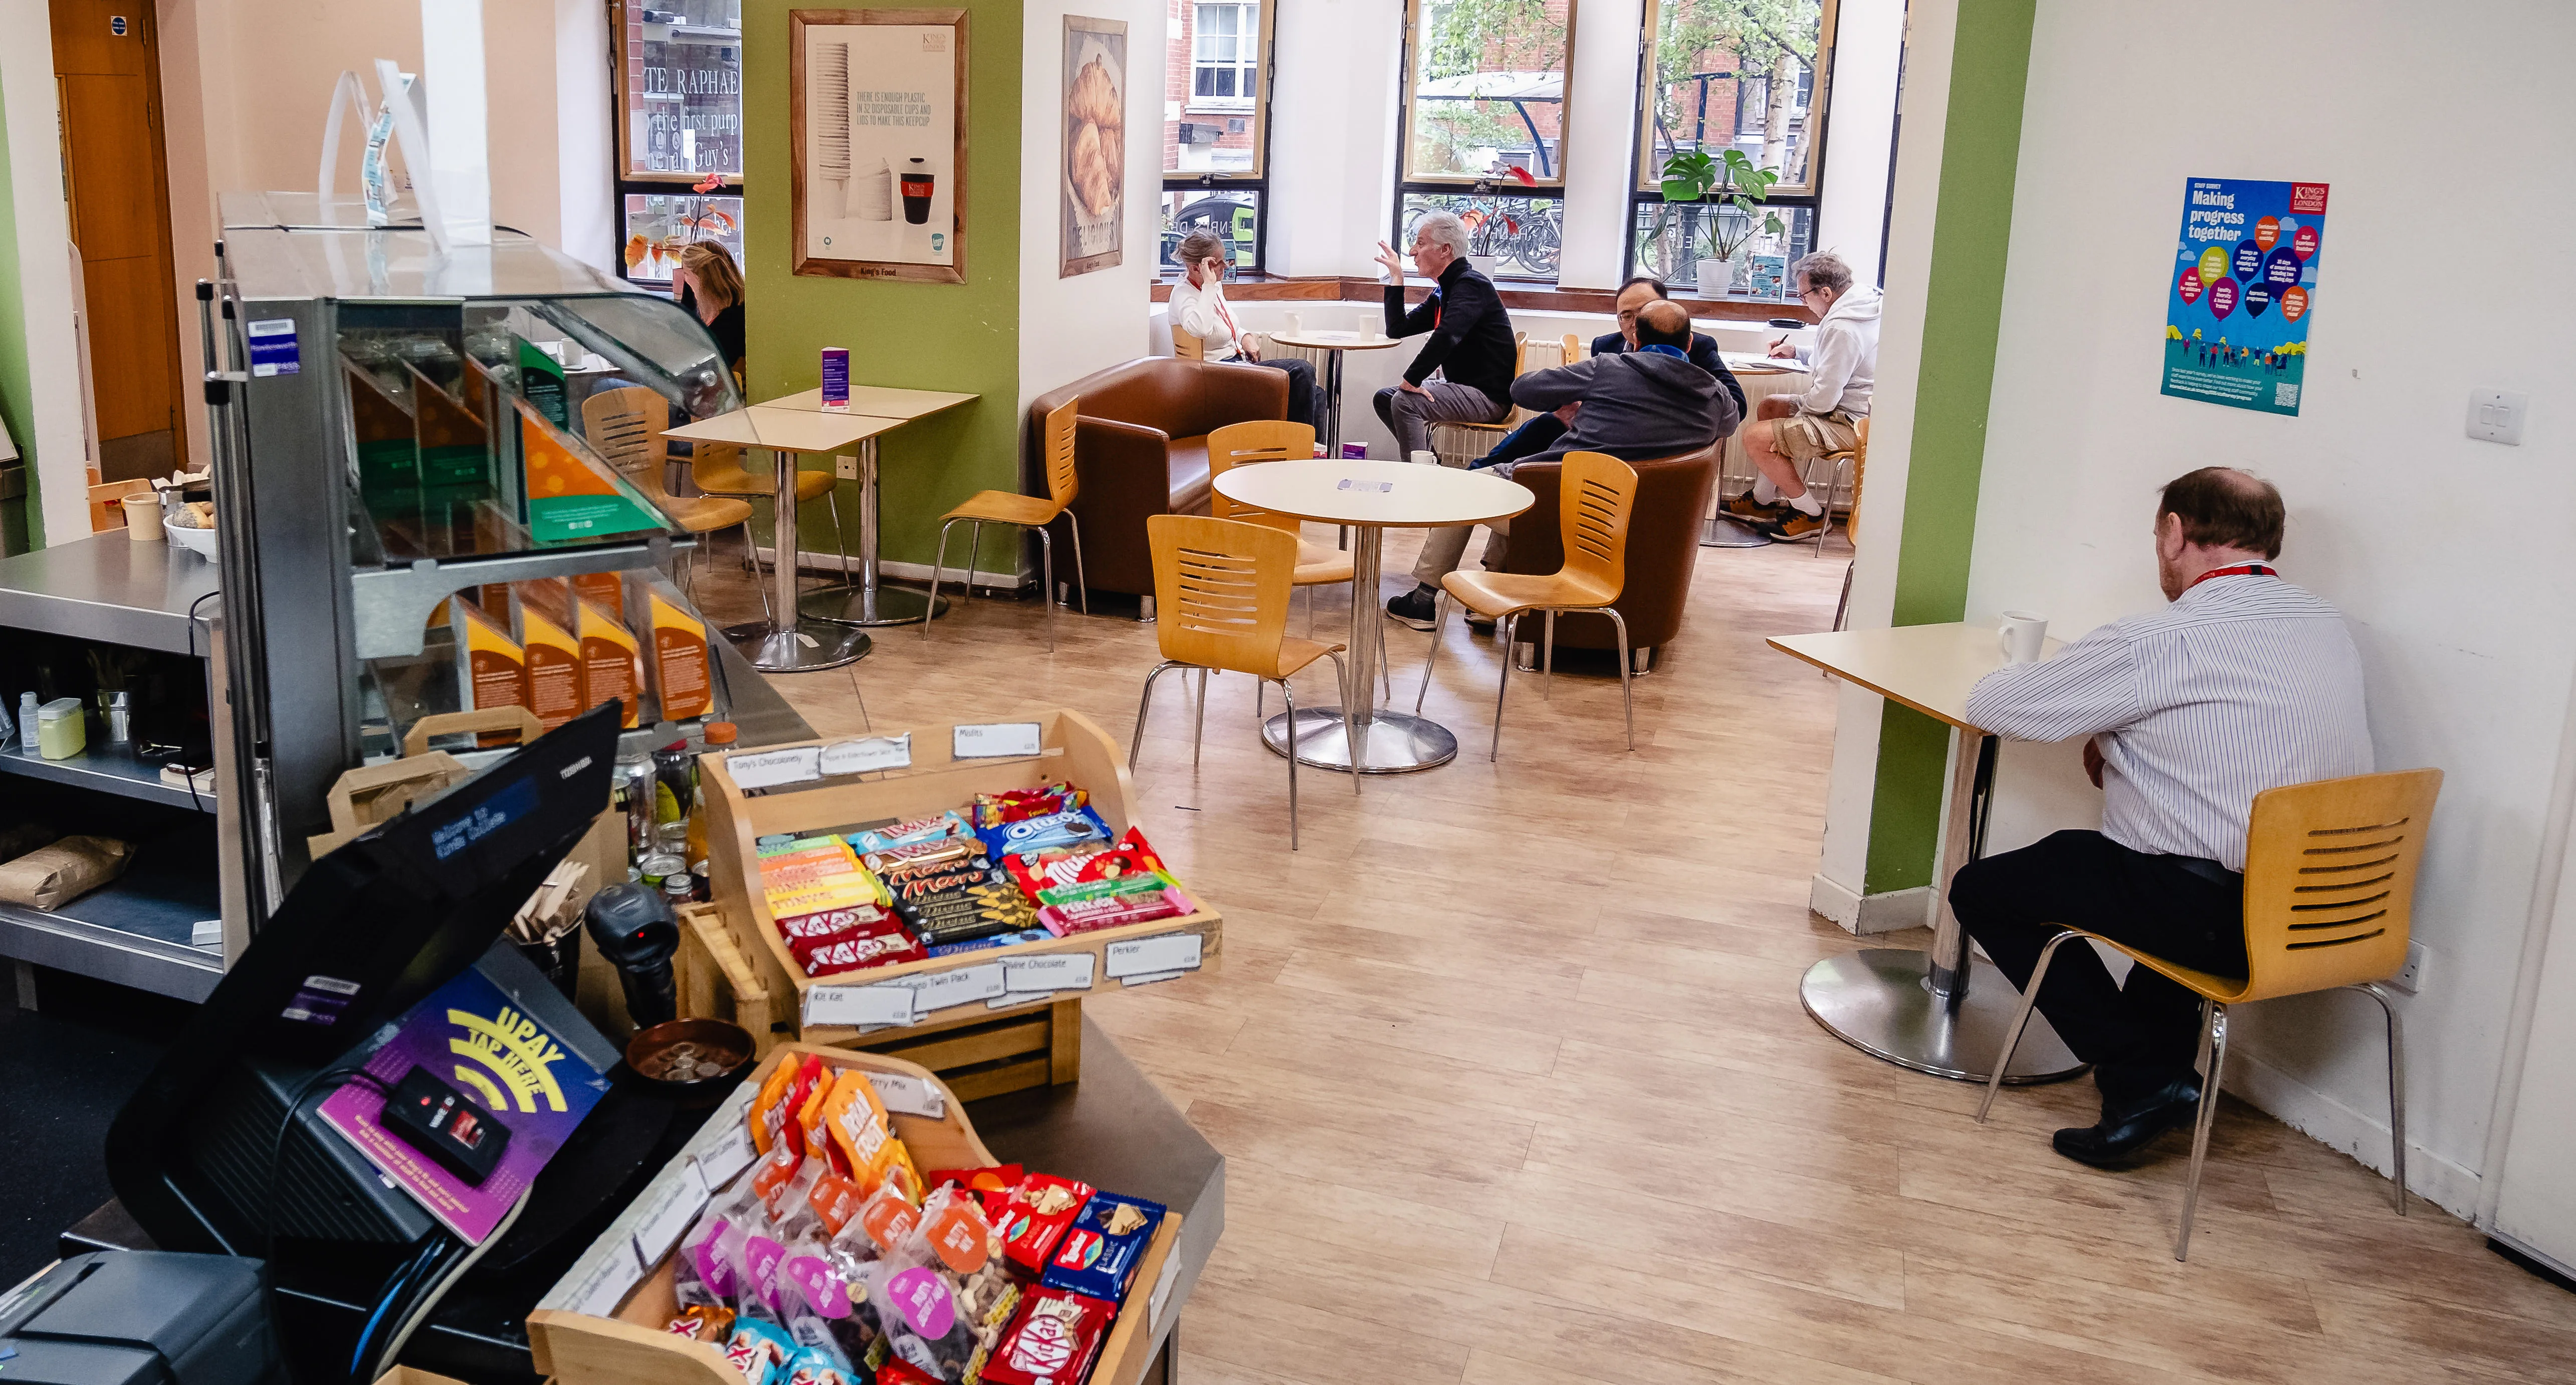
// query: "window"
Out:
[1216,132]
[1484,127]
[1743,77]
[679,130]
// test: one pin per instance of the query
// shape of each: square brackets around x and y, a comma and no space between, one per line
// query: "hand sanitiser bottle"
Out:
[27,722]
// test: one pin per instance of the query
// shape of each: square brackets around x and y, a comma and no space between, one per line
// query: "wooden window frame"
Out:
[1819,108]
[1256,179]
[1408,79]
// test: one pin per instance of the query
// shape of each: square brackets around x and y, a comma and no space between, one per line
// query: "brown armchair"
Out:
[1663,546]
[1140,450]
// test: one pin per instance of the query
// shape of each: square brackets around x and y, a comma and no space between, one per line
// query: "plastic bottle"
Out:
[27,722]
[720,738]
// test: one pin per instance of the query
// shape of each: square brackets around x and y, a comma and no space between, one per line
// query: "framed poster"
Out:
[1093,188]
[2238,294]
[876,103]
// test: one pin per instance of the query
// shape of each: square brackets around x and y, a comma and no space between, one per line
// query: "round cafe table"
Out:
[1333,345]
[1370,497]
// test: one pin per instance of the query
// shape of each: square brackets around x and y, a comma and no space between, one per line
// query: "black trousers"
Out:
[2140,1035]
[1301,387]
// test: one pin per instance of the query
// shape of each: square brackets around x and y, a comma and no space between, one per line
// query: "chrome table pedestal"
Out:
[788,643]
[1390,742]
[863,601]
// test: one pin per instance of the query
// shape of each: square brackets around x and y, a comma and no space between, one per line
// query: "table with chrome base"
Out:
[1333,344]
[1943,1012]
[1370,497]
[859,599]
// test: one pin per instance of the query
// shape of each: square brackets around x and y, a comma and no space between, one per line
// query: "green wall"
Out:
[962,337]
[1962,309]
[21,521]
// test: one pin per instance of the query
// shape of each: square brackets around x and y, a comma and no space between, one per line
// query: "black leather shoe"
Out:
[2125,1132]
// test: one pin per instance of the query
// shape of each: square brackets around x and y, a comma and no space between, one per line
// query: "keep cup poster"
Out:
[2243,282]
[878,103]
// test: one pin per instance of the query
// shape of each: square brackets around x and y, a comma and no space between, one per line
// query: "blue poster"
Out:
[2241,285]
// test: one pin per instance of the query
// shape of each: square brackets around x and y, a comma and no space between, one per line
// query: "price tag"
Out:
[1170,952]
[1151,977]
[909,1095]
[770,768]
[997,740]
[1064,971]
[667,1214]
[886,1003]
[869,755]
[608,1285]
[1162,1295]
[964,986]
[724,1163]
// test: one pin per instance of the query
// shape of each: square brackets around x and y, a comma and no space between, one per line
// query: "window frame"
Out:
[624,181]
[1408,79]
[1228,105]
[1256,179]
[1645,187]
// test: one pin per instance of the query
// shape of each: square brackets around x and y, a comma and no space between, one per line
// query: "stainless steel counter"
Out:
[109,587]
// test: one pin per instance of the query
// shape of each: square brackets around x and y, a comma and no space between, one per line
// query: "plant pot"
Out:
[1487,265]
[1718,278]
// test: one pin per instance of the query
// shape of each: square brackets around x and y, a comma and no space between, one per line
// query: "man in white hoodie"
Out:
[1790,430]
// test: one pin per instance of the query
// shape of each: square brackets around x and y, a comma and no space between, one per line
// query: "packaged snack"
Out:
[834,1200]
[780,1192]
[818,1145]
[493,668]
[553,660]
[1099,1253]
[1015,805]
[897,1372]
[839,892]
[1116,911]
[854,1120]
[773,847]
[612,664]
[606,588]
[931,853]
[1038,1213]
[781,1119]
[679,663]
[1052,1341]
[888,1219]
[763,1119]
[1037,870]
[902,1175]
[915,884]
[875,945]
[699,1276]
[1054,830]
[1131,856]
[759,1350]
[1026,935]
[936,827]
[991,1186]
[954,1225]
[703,1322]
[796,928]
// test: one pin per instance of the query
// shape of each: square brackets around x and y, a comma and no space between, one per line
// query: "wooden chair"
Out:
[2329,891]
[1273,440]
[1472,440]
[717,469]
[1187,344]
[1597,495]
[1855,458]
[625,426]
[1028,512]
[1572,349]
[1223,589]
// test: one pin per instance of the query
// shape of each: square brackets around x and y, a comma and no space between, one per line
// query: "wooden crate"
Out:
[716,982]
[1073,749]
[630,1346]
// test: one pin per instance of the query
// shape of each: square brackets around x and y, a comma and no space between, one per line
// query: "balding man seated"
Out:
[1650,402]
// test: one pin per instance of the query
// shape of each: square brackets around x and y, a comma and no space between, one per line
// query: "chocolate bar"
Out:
[876,945]
[1039,1212]
[1052,1341]
[827,922]
[1098,1254]
[1115,911]
[936,827]
[1025,935]
[1015,805]
[929,853]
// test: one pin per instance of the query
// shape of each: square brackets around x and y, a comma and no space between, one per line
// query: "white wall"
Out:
[2448,556]
[59,447]
[1332,135]
[1072,327]
[1869,39]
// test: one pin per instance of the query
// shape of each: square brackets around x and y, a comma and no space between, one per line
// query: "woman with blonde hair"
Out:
[710,287]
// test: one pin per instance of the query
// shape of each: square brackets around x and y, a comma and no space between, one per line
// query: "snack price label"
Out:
[608,1285]
[997,740]
[668,1214]
[867,756]
[963,986]
[1170,952]
[908,1095]
[724,1163]
[1068,971]
[884,1003]
[770,768]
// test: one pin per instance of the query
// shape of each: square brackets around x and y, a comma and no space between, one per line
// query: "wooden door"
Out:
[108,76]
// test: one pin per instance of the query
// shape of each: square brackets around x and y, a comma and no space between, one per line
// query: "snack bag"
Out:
[1052,1341]
[992,1186]
[854,1122]
[811,1120]
[700,1277]
[702,1323]
[770,1181]
[818,1307]
[763,1121]
[902,1175]
[1036,1219]
[1099,1253]
[759,1350]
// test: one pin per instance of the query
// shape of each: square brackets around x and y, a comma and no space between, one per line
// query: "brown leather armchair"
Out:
[1663,547]
[1140,449]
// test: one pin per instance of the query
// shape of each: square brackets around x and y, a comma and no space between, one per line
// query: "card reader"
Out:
[446,1125]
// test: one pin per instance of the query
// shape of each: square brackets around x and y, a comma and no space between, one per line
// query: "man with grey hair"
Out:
[1471,342]
[1791,430]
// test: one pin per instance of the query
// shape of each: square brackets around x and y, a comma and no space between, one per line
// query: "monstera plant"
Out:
[1727,189]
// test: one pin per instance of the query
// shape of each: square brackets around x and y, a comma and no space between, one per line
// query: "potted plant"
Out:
[1728,190]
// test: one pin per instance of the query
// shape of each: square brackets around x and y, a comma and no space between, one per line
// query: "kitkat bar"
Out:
[823,924]
[856,949]
[612,666]
[1036,1218]
[1051,1341]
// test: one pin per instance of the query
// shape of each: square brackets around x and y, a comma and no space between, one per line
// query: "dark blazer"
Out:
[1703,353]
[1471,336]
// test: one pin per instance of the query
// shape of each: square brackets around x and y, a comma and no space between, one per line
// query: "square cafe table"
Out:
[862,601]
[1943,1012]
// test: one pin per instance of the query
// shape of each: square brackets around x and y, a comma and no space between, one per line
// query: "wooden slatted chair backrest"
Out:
[2330,880]
[1597,496]
[1246,444]
[1221,586]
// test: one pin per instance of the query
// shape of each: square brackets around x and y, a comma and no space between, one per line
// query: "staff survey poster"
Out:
[2240,288]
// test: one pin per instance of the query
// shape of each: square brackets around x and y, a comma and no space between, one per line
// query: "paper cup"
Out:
[143,518]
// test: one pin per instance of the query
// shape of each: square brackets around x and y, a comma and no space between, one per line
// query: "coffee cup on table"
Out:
[1424,458]
[2021,634]
[1293,324]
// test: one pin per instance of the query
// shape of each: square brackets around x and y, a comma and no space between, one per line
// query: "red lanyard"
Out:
[2240,570]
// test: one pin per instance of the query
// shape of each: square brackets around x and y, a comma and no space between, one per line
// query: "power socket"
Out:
[846,468]
[2410,977]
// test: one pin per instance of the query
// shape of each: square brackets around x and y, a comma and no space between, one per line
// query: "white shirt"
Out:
[1201,311]
[2241,684]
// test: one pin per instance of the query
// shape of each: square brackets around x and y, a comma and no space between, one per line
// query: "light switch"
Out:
[2495,416]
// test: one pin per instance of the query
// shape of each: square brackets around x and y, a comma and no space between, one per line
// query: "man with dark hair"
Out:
[2241,683]
[1651,402]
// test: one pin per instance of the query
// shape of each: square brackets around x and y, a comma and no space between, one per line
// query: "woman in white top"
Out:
[1198,307]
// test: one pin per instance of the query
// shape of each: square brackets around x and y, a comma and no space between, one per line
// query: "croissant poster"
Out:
[881,154]
[1094,188]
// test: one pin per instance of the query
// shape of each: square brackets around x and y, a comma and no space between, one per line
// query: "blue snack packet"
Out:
[1099,1252]
[1054,831]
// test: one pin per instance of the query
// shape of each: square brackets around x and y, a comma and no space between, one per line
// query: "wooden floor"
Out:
[1514,1087]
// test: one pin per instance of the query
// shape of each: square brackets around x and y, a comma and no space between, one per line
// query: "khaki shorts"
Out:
[1803,437]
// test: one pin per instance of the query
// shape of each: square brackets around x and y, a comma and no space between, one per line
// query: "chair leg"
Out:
[936,566]
[1144,700]
[1289,695]
[1350,723]
[1081,579]
[1198,737]
[1627,695]
[751,555]
[1842,606]
[1439,609]
[2021,1021]
[2396,1086]
[1547,656]
[974,555]
[1510,625]
[840,536]
[2213,1052]
[1046,581]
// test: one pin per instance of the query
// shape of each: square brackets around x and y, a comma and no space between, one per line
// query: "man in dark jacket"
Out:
[1535,436]
[1651,402]
[1471,342]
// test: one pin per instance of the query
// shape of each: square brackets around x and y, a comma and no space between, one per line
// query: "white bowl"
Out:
[198,541]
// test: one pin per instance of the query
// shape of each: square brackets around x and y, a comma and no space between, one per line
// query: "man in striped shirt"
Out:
[2241,683]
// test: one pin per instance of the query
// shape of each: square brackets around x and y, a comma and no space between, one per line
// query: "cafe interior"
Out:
[1598,690]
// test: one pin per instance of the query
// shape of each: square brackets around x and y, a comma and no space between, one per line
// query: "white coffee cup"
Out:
[2021,634]
[1423,458]
[1294,323]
